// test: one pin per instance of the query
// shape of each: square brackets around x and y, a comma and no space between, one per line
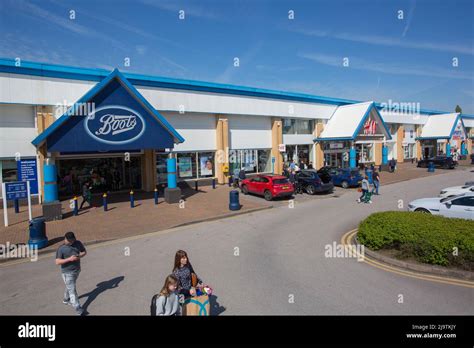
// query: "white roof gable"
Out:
[439,126]
[345,120]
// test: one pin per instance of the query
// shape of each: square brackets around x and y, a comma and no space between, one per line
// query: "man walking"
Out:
[376,180]
[86,194]
[68,256]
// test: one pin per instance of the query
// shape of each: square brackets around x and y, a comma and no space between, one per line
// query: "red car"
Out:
[268,186]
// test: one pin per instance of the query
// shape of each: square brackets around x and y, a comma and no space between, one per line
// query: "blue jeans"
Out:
[363,194]
[376,187]
[70,293]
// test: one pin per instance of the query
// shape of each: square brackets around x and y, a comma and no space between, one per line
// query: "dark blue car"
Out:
[308,180]
[345,177]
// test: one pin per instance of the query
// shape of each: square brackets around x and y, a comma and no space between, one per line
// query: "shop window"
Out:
[161,168]
[298,154]
[9,171]
[104,174]
[297,126]
[264,161]
[408,151]
[187,165]
[206,164]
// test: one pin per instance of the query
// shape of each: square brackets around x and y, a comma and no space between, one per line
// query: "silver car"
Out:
[459,206]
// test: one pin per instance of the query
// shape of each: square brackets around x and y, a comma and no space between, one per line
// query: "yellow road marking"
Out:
[346,238]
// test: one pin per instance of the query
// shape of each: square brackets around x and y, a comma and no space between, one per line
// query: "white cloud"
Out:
[388,41]
[387,68]
[192,11]
[40,14]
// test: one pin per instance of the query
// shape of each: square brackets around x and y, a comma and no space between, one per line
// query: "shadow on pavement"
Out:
[101,287]
[215,307]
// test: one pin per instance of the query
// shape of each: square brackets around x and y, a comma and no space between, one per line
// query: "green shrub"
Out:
[428,238]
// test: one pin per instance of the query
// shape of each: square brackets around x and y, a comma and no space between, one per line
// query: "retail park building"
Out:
[211,129]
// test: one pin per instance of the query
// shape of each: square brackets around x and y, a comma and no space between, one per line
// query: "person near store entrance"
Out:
[86,194]
[392,164]
[242,175]
[376,181]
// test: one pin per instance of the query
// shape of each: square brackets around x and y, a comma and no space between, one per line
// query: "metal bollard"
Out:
[104,201]
[17,206]
[234,203]
[230,180]
[156,196]
[132,200]
[214,183]
[75,210]
[196,186]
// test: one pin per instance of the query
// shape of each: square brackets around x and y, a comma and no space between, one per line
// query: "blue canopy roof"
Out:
[118,118]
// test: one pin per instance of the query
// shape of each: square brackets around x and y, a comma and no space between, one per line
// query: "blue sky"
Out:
[408,60]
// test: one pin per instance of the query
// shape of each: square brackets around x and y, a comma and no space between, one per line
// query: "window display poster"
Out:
[206,165]
[185,167]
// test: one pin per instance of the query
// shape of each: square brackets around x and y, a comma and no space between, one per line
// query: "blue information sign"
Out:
[27,171]
[16,190]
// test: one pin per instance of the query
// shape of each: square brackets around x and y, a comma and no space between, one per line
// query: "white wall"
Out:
[250,132]
[17,130]
[198,130]
[37,90]
[298,139]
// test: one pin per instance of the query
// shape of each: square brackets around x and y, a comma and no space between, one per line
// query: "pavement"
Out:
[267,262]
[121,221]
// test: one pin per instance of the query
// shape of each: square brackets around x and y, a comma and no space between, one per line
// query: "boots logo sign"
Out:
[115,124]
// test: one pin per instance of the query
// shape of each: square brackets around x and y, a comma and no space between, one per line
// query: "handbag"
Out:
[194,280]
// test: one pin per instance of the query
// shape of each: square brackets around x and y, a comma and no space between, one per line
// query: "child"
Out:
[365,197]
[168,301]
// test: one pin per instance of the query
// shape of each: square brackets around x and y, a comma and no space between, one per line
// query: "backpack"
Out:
[153,304]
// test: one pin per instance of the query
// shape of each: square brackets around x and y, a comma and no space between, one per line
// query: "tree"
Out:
[458,109]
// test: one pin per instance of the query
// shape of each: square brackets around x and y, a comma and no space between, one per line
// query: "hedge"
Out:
[427,238]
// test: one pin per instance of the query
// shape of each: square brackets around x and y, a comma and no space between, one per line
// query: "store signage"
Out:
[336,145]
[458,133]
[28,171]
[12,191]
[282,148]
[16,190]
[370,127]
[115,124]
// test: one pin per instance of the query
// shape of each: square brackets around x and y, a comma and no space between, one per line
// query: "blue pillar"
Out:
[171,167]
[352,157]
[384,154]
[50,184]
[463,148]
[448,149]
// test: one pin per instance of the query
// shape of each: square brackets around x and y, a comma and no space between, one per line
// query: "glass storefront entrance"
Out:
[105,174]
[336,154]
[299,154]
[364,153]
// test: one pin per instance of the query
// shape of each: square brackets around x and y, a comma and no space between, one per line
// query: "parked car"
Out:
[310,182]
[268,186]
[344,177]
[457,190]
[439,161]
[460,206]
